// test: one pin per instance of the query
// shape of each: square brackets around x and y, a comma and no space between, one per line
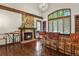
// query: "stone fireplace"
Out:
[27,28]
[27,34]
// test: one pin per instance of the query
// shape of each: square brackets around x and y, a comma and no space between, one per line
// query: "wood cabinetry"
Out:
[62,44]
[52,40]
[67,44]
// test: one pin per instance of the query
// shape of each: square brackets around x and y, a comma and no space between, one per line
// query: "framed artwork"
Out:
[28,20]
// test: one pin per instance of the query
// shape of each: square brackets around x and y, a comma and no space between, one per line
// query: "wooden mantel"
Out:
[25,28]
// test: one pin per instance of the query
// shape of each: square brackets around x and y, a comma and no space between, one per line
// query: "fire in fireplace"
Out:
[27,35]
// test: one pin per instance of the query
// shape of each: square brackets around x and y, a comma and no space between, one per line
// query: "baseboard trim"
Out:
[9,44]
[28,41]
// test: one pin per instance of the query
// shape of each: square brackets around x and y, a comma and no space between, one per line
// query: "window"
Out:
[55,26]
[50,26]
[60,25]
[59,21]
[38,25]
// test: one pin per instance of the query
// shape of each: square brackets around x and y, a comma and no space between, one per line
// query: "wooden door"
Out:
[44,26]
[77,24]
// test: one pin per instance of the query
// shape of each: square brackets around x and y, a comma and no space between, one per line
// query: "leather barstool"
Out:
[75,41]
[42,36]
[53,37]
[13,36]
[67,45]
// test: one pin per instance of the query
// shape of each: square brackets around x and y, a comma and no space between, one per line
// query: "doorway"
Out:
[44,26]
[38,28]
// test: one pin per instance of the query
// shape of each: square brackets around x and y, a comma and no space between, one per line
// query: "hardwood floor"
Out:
[29,49]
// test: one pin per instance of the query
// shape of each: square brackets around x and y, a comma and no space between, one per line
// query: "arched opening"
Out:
[60,21]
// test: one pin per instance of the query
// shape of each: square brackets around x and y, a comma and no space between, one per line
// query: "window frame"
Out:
[60,18]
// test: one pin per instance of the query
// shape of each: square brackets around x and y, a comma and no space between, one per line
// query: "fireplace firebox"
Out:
[27,35]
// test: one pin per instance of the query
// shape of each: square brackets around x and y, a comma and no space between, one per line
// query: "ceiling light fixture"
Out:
[43,7]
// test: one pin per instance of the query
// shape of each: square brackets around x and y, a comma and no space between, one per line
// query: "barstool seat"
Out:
[2,37]
[13,37]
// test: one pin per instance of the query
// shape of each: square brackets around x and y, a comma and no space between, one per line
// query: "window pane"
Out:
[60,26]
[50,26]
[66,12]
[60,13]
[66,25]
[55,15]
[38,26]
[50,17]
[55,25]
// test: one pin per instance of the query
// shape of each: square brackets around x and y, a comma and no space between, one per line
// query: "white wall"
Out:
[9,21]
[55,6]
